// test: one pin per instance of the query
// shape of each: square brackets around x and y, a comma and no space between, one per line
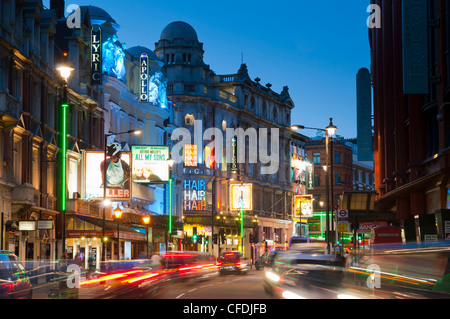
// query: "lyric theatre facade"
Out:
[205,100]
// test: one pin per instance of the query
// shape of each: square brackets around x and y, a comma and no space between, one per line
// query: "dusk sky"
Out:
[314,47]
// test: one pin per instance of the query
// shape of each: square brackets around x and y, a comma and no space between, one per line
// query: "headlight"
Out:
[272,277]
[290,295]
[345,296]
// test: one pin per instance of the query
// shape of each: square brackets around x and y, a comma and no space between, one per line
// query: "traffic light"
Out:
[200,238]
[250,238]
[359,238]
[214,238]
[194,235]
[222,236]
[206,240]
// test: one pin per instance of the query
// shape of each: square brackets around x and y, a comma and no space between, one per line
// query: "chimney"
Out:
[58,6]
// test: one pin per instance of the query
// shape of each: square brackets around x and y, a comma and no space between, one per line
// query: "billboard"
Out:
[303,171]
[143,95]
[190,155]
[241,196]
[303,206]
[118,176]
[96,55]
[150,164]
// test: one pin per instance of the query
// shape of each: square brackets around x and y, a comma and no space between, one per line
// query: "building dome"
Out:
[138,50]
[98,14]
[179,30]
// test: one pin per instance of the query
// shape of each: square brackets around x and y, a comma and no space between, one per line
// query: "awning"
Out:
[125,231]
[388,201]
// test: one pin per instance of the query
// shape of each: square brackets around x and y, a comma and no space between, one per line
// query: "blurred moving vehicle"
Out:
[189,265]
[265,260]
[304,240]
[232,262]
[307,273]
[14,282]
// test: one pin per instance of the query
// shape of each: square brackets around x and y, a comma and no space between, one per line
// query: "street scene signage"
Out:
[150,164]
[190,155]
[194,194]
[118,176]
[303,206]
[144,78]
[96,55]
[241,196]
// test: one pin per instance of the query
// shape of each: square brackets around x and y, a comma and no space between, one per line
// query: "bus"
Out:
[304,240]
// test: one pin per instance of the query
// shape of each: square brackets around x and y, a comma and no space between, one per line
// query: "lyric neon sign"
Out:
[96,55]
[194,194]
[144,78]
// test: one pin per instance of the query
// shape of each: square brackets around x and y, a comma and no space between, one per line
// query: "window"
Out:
[337,157]
[35,168]
[337,179]
[316,179]
[316,158]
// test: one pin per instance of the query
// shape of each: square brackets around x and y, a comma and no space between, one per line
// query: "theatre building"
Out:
[210,192]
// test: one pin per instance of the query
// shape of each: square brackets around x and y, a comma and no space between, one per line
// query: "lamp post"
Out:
[64,71]
[329,131]
[105,168]
[118,214]
[146,220]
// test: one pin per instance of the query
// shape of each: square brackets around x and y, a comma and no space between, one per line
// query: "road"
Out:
[248,286]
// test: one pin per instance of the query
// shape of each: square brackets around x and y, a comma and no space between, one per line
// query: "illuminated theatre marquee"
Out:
[194,194]
[144,78]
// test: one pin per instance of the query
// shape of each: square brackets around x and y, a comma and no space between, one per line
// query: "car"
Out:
[265,260]
[232,262]
[306,274]
[14,282]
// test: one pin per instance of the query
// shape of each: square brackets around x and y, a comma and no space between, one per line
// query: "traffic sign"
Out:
[344,227]
[343,214]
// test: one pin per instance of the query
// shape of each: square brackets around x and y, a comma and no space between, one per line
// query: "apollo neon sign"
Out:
[143,95]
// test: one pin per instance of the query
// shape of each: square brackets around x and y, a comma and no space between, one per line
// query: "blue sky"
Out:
[314,47]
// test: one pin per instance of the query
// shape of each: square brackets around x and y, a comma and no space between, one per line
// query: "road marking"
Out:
[192,290]
[180,295]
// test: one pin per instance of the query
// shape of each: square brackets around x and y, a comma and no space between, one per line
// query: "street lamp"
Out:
[64,71]
[105,168]
[118,214]
[146,220]
[330,130]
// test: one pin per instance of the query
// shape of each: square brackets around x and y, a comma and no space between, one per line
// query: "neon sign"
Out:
[96,55]
[194,194]
[144,78]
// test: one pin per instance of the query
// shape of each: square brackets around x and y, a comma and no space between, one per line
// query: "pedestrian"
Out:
[156,260]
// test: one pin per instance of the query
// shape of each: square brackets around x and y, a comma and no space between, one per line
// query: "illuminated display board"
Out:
[303,206]
[303,172]
[194,194]
[241,196]
[96,55]
[118,176]
[144,78]
[150,164]
[190,155]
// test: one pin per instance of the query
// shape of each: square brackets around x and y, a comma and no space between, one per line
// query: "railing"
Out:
[9,105]
[91,209]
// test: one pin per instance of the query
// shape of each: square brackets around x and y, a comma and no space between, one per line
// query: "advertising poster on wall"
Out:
[303,206]
[150,164]
[118,179]
[241,196]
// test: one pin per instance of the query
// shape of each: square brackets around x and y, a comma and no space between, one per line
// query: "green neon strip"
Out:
[242,221]
[64,157]
[170,205]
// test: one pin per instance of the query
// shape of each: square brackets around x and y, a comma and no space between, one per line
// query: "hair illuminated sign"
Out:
[190,155]
[144,78]
[96,55]
[194,193]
